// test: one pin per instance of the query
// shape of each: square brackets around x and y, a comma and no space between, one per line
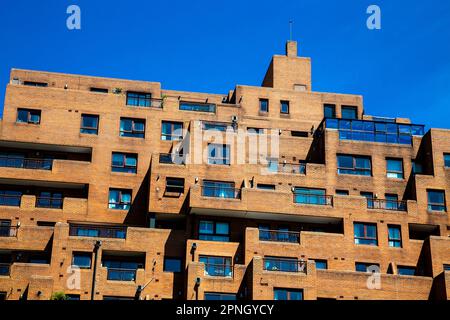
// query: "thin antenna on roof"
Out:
[290,29]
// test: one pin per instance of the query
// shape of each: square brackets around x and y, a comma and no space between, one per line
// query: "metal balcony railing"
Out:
[98,231]
[49,202]
[279,236]
[8,231]
[26,163]
[314,199]
[10,200]
[284,265]
[5,269]
[221,192]
[384,204]
[218,270]
[119,274]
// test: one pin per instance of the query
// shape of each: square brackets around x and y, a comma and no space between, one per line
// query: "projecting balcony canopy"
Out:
[374,131]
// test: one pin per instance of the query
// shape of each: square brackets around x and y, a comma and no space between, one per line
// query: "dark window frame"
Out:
[94,130]
[395,240]
[266,107]
[174,188]
[121,202]
[138,97]
[397,173]
[180,260]
[125,168]
[30,113]
[354,170]
[285,103]
[441,206]
[171,136]
[365,236]
[85,253]
[134,133]
[214,235]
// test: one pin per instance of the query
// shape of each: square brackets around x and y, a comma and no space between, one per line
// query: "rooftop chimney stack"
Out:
[291,48]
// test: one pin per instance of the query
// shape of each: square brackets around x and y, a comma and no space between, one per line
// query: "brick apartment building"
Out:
[90,177]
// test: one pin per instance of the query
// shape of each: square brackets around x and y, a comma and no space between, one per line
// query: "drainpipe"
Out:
[97,246]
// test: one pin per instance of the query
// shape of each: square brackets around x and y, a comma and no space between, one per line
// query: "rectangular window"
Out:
[356,165]
[342,192]
[251,130]
[49,199]
[446,267]
[217,266]
[369,197]
[406,271]
[287,294]
[366,267]
[82,260]
[124,162]
[197,106]
[218,154]
[175,185]
[394,236]
[10,198]
[263,105]
[134,128]
[28,116]
[5,228]
[172,264]
[119,199]
[219,189]
[218,126]
[282,264]
[436,200]
[214,231]
[171,131]
[300,134]
[139,99]
[89,124]
[329,111]
[348,112]
[394,168]
[265,186]
[447,160]
[35,84]
[98,90]
[311,196]
[365,233]
[219,296]
[284,107]
[321,264]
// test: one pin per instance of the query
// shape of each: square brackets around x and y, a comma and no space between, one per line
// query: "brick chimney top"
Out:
[291,48]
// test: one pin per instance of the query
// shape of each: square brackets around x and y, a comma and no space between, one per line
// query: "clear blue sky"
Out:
[210,46]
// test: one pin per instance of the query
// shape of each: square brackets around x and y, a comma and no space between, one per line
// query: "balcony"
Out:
[112,232]
[375,131]
[313,199]
[279,236]
[284,265]
[25,163]
[221,192]
[5,269]
[383,204]
[197,106]
[8,231]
